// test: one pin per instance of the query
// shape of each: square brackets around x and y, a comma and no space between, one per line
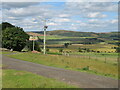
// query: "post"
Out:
[33,45]
[44,40]
[45,27]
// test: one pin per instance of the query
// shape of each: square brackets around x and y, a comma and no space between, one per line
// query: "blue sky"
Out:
[75,16]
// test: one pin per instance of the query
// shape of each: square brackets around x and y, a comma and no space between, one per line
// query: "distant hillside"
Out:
[87,37]
[67,33]
[34,34]
[80,34]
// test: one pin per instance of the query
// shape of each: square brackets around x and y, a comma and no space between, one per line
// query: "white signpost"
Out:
[33,38]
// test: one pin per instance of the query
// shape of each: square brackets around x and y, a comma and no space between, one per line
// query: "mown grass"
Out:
[71,62]
[22,79]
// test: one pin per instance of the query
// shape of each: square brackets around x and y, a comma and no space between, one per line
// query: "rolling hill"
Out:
[62,36]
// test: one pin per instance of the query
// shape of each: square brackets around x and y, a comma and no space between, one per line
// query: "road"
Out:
[81,79]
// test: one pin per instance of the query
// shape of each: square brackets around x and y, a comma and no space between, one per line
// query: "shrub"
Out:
[98,51]
[60,50]
[47,50]
[79,50]
[66,66]
[85,68]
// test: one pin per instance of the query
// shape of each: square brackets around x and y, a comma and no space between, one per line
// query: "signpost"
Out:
[33,38]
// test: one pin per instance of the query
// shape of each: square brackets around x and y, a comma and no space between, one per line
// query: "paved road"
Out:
[81,79]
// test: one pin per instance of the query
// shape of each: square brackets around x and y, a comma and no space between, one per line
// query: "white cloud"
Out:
[93,20]
[51,23]
[114,21]
[8,5]
[91,7]
[92,0]
[63,15]
[96,15]
[24,0]
[29,11]
[62,20]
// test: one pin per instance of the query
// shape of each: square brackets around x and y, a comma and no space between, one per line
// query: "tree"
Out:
[6,25]
[14,38]
[118,49]
[66,45]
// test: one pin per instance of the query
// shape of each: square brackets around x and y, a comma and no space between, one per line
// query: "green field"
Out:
[72,62]
[107,48]
[60,37]
[106,51]
[22,79]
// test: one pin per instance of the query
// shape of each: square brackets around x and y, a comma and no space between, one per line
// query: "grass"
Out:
[60,37]
[71,62]
[22,79]
[7,52]
[96,47]
[74,47]
[108,57]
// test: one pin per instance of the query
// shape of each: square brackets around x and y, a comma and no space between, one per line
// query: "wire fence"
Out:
[105,59]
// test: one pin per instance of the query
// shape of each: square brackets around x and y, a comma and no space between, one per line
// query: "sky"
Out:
[74,16]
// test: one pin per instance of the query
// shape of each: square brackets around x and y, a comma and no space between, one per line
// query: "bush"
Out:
[85,68]
[66,45]
[47,50]
[60,50]
[98,51]
[79,50]
[118,49]
[66,66]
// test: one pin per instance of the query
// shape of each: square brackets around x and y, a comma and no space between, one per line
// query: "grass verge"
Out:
[22,79]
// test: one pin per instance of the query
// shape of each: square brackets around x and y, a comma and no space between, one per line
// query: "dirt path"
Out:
[81,79]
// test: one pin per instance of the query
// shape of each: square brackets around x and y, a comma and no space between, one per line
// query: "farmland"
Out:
[92,54]
[74,37]
[87,51]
